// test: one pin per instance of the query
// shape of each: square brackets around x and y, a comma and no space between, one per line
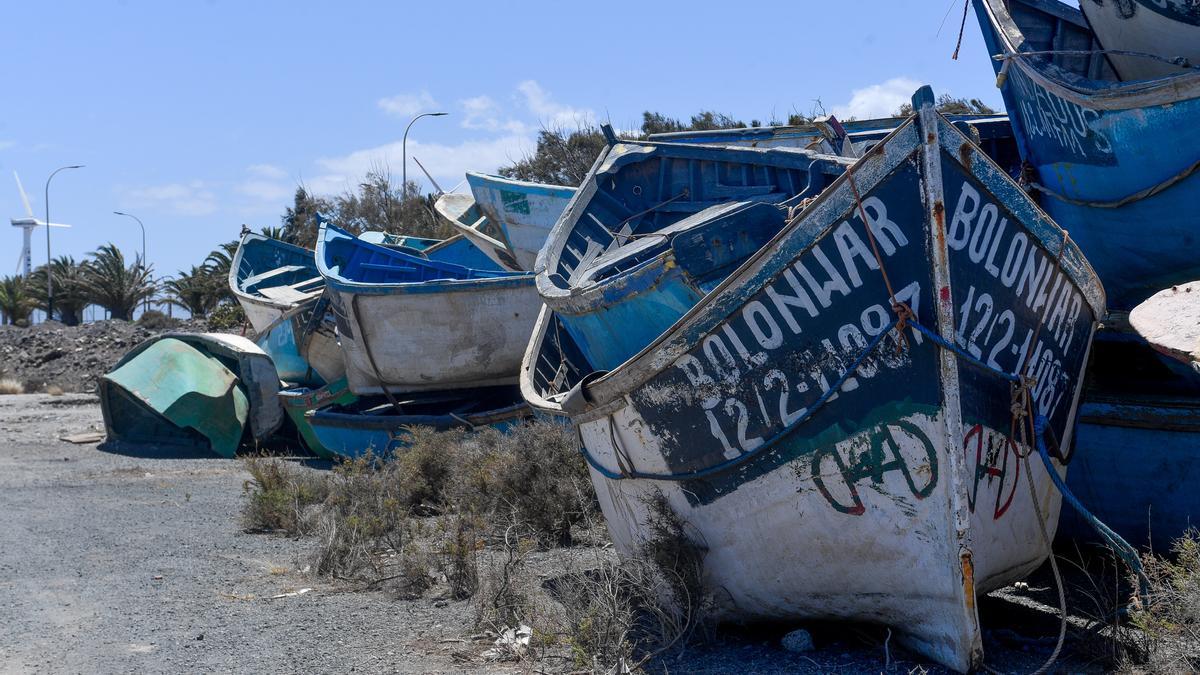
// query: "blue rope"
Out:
[964,355]
[1121,547]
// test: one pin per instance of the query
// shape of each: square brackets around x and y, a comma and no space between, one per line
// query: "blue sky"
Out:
[200,116]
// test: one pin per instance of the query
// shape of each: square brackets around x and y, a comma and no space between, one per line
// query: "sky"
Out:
[199,116]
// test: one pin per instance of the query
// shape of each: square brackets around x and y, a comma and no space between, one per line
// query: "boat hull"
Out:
[437,336]
[1094,143]
[524,211]
[820,453]
[305,348]
[270,278]
[1167,28]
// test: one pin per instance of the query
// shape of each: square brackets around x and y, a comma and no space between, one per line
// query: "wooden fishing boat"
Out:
[298,401]
[1113,162]
[378,426]
[303,344]
[510,219]
[1136,459]
[191,391]
[270,277]
[411,324]
[615,269]
[836,413]
[406,243]
[1140,30]
[992,133]
[461,211]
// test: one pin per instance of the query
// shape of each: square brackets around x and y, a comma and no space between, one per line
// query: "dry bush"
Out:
[428,468]
[1169,619]
[281,496]
[460,557]
[53,390]
[10,386]
[533,474]
[364,525]
[504,596]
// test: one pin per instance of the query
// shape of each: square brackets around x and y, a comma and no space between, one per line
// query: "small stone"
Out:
[798,641]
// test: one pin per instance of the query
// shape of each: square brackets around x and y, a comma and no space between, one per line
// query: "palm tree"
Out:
[194,290]
[217,264]
[114,286]
[70,298]
[272,231]
[16,304]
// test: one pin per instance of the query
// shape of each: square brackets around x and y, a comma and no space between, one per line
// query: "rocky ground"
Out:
[113,563]
[71,358]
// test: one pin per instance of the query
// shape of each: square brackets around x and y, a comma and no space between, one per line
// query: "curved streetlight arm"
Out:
[49,273]
[404,150]
[141,225]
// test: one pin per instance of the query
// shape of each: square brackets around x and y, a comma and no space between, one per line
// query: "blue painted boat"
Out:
[609,268]
[270,277]
[407,323]
[1136,460]
[836,412]
[992,133]
[298,401]
[508,219]
[412,245]
[303,343]
[380,427]
[1114,162]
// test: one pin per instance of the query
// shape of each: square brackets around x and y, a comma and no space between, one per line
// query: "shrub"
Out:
[227,316]
[156,320]
[10,385]
[280,496]
[1170,618]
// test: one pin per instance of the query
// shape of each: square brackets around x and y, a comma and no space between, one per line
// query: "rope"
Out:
[1137,196]
[961,27]
[1180,61]
[617,233]
[902,311]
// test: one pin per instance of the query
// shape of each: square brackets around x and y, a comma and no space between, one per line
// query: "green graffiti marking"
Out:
[514,202]
[873,462]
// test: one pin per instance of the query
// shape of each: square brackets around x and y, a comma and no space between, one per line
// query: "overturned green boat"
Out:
[191,392]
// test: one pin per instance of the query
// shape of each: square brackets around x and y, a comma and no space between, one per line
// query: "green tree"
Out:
[299,221]
[561,157]
[949,105]
[115,286]
[217,266]
[70,296]
[194,290]
[16,303]
[380,204]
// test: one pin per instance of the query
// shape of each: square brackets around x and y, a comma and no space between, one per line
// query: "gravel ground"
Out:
[111,563]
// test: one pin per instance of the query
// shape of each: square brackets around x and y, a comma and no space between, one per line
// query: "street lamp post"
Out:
[404,150]
[49,273]
[146,302]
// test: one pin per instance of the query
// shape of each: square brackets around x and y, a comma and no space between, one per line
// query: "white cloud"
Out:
[407,105]
[482,113]
[550,113]
[4,145]
[267,171]
[448,163]
[877,100]
[193,198]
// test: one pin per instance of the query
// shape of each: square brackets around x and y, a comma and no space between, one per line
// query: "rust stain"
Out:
[931,138]
[968,572]
[965,155]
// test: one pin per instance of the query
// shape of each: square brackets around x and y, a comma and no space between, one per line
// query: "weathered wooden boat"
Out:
[303,344]
[339,425]
[461,211]
[191,391]
[638,245]
[992,133]
[821,445]
[1114,162]
[1148,38]
[404,242]
[270,277]
[410,324]
[1136,459]
[298,401]
[509,219]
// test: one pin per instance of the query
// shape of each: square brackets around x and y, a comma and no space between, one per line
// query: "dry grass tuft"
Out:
[1169,621]
[53,390]
[10,386]
[281,496]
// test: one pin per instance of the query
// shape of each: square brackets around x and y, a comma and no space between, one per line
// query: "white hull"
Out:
[1130,25]
[526,212]
[413,341]
[261,314]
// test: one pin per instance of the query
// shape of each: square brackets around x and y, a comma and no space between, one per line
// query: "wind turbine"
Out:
[27,225]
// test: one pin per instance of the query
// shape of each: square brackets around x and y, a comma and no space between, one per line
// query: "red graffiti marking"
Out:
[995,457]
